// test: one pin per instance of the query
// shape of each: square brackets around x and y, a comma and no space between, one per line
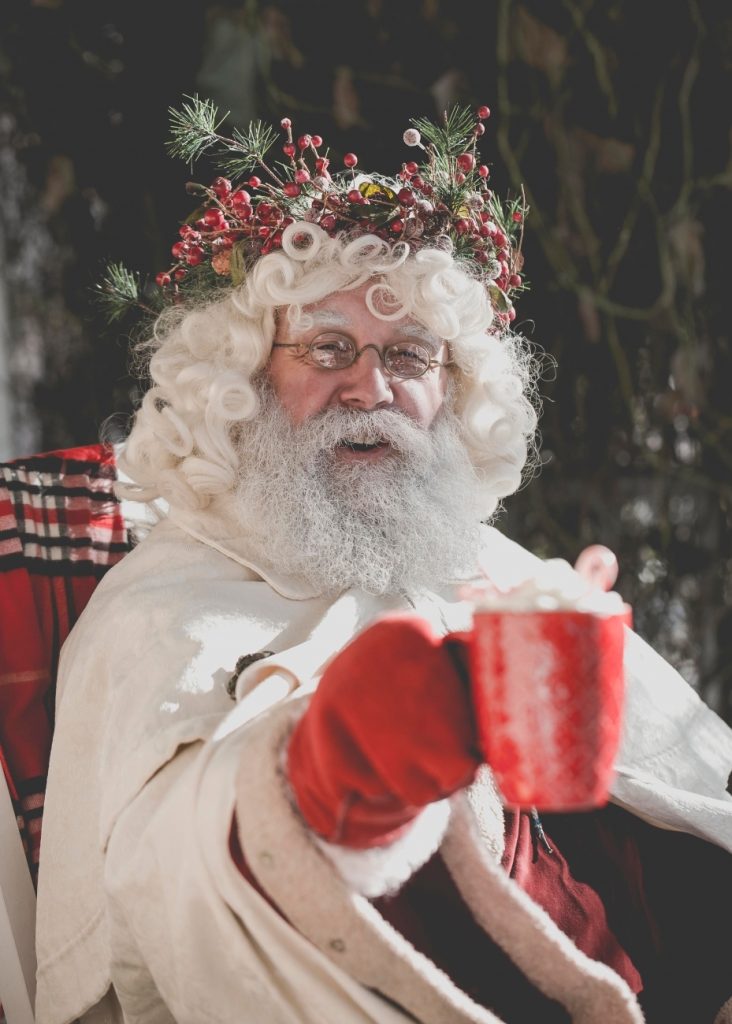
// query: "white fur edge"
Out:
[382,870]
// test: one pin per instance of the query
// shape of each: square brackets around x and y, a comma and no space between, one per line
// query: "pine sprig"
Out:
[194,128]
[453,135]
[118,292]
[246,150]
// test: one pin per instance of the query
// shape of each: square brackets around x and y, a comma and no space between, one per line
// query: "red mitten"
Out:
[388,731]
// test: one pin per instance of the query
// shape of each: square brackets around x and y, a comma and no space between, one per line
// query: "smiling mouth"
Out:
[357,446]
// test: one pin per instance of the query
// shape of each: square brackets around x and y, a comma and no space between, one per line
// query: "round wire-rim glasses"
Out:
[405,359]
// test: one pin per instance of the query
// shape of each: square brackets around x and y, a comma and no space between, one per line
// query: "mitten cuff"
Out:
[383,870]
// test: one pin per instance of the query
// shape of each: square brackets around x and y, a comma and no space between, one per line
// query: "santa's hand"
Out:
[388,731]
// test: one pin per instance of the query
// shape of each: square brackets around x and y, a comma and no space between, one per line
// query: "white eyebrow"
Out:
[320,318]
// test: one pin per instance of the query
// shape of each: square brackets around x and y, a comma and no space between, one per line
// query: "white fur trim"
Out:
[383,870]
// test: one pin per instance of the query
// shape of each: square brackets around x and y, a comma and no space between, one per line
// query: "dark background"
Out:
[613,115]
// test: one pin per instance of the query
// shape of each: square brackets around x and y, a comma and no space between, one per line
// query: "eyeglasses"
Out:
[405,359]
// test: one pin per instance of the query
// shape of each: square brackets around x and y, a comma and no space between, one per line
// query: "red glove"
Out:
[388,731]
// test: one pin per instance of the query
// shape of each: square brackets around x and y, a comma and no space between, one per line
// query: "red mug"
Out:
[548,689]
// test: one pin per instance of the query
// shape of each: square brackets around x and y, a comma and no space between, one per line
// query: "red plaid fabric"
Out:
[60,531]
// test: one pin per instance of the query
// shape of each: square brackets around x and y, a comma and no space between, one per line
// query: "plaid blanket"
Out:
[60,531]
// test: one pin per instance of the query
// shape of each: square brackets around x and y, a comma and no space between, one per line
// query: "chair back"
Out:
[61,529]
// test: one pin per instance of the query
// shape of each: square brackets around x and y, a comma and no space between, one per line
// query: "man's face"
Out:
[304,390]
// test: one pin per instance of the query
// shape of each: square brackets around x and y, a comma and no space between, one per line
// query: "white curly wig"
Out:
[181,447]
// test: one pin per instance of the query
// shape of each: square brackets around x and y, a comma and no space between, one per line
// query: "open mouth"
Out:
[351,445]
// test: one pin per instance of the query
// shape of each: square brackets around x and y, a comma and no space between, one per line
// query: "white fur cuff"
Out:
[384,869]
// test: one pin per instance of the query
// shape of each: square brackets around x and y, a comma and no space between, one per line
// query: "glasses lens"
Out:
[332,352]
[407,359]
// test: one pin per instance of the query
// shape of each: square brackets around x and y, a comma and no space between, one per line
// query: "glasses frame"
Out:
[306,348]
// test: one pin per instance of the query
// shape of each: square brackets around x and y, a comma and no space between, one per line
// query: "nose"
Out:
[367,384]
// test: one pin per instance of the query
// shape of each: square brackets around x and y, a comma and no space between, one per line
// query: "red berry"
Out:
[179,249]
[221,187]
[406,197]
[195,256]
[316,141]
[515,280]
[350,159]
[264,210]
[484,171]
[288,149]
[462,226]
[263,232]
[179,274]
[499,238]
[511,313]
[397,226]
[466,162]
[417,181]
[185,230]
[201,224]
[304,141]
[479,130]
[240,197]
[244,212]
[162,279]
[328,222]
[213,217]
[459,177]
[481,256]
[411,167]
[322,164]
[287,221]
[302,175]
[291,189]
[484,231]
[483,113]
[254,181]
[285,123]
[517,216]
[354,196]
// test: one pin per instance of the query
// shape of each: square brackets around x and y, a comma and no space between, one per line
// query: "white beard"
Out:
[405,522]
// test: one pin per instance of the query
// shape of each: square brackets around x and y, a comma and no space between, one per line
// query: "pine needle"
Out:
[194,128]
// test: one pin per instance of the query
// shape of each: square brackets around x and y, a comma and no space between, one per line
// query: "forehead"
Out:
[348,311]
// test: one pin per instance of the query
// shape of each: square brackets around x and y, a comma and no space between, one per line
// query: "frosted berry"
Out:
[221,187]
[302,175]
[286,123]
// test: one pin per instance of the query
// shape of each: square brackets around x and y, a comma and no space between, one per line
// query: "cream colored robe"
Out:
[151,757]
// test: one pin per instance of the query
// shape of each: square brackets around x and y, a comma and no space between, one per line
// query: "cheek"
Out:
[300,392]
[424,400]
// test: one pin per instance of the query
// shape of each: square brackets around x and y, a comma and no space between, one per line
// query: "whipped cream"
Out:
[555,586]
